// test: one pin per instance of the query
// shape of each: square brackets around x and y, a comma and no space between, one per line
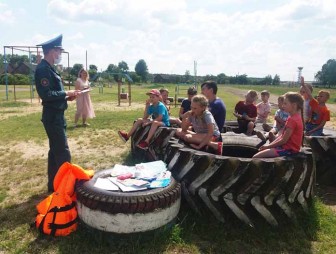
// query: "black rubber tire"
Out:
[114,202]
[230,126]
[156,149]
[324,153]
[240,145]
[250,189]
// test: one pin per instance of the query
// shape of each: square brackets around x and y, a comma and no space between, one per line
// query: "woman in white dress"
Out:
[83,100]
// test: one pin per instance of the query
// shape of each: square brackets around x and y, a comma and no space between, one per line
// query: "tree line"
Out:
[114,72]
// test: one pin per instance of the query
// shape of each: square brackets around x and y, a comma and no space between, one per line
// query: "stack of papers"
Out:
[118,170]
[150,170]
[105,184]
[125,188]
[142,176]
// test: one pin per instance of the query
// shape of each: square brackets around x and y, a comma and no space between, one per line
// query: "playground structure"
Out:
[121,90]
[30,50]
[180,94]
[122,77]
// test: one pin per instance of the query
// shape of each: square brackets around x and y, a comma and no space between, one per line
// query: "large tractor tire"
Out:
[272,190]
[127,212]
[156,149]
[324,153]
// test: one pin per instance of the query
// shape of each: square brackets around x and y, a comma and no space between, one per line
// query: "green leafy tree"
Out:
[187,76]
[276,80]
[93,67]
[123,66]
[327,75]
[93,70]
[268,80]
[242,79]
[210,77]
[15,60]
[141,69]
[221,78]
[115,71]
[75,69]
[135,77]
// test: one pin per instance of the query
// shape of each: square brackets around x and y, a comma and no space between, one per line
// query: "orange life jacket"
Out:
[57,213]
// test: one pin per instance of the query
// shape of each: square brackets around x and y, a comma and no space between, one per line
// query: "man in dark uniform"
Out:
[54,100]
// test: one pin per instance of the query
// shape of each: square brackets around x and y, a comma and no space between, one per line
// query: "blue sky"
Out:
[256,38]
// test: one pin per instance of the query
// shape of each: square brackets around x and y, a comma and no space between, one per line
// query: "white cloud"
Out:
[253,37]
[7,14]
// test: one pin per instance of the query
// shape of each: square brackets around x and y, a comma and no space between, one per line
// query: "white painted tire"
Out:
[127,212]
[126,223]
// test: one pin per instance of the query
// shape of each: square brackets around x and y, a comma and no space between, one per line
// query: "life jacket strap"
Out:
[53,226]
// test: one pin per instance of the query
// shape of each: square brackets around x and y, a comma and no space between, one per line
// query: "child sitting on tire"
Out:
[290,140]
[154,109]
[263,107]
[280,119]
[319,113]
[246,113]
[203,123]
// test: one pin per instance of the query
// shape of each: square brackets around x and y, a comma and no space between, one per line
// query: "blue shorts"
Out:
[310,126]
[284,152]
[217,138]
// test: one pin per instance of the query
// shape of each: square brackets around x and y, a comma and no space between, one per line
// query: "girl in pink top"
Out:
[289,142]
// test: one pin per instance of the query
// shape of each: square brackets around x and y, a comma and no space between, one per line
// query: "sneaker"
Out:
[86,124]
[123,136]
[143,145]
[271,136]
[219,148]
[260,135]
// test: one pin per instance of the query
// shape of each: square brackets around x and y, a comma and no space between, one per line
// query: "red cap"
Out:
[154,91]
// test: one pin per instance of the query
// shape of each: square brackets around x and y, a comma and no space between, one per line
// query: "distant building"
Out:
[22,68]
[161,78]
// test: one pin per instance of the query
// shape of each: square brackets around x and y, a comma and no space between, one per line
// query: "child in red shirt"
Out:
[319,113]
[246,113]
[289,142]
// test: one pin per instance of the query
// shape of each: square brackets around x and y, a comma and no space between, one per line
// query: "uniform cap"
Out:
[53,43]
[155,92]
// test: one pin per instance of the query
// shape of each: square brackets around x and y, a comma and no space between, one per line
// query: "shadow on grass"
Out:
[193,233]
[19,214]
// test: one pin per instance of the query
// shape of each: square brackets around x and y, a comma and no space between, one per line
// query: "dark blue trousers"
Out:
[55,127]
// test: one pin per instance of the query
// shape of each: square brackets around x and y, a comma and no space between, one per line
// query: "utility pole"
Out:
[86,60]
[195,74]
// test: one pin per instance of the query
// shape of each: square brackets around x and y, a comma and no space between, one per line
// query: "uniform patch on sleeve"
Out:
[44,82]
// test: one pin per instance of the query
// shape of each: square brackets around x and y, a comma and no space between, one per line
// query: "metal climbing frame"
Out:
[30,50]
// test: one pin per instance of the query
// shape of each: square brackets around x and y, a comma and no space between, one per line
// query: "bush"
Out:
[22,79]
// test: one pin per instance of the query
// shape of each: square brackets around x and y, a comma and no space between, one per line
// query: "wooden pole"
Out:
[118,93]
[129,93]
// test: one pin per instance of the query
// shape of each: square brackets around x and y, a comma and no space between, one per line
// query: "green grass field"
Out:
[23,160]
